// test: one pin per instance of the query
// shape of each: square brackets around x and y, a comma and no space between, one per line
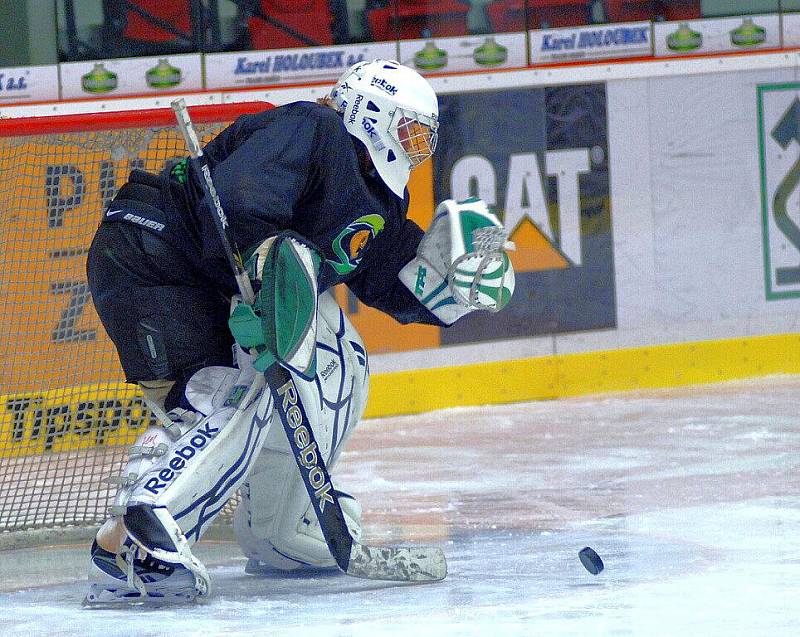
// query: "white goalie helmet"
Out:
[393,110]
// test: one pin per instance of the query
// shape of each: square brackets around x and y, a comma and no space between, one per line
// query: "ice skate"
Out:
[128,578]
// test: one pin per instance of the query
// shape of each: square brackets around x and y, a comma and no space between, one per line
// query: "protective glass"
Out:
[417,134]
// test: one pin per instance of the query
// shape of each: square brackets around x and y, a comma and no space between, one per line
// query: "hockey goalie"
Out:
[315,194]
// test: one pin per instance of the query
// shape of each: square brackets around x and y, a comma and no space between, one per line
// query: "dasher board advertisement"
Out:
[28,84]
[743,33]
[705,184]
[591,43]
[779,146]
[447,55]
[132,76]
[243,69]
[791,30]
[540,157]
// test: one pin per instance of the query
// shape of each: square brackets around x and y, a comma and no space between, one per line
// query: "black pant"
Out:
[164,319]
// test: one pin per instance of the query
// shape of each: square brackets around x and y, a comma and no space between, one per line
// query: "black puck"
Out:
[590,560]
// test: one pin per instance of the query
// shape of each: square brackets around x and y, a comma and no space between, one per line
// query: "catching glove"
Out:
[461,263]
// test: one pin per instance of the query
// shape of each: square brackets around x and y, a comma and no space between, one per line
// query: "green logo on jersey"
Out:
[179,170]
[350,243]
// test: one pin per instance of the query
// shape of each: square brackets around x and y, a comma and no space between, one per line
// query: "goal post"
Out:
[66,416]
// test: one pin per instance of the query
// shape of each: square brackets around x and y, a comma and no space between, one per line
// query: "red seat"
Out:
[680,9]
[310,18]
[557,13]
[381,24]
[506,15]
[509,15]
[411,19]
[630,10]
[137,27]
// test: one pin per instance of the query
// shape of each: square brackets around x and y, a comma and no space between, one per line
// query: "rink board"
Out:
[703,206]
[650,250]
[106,415]
[584,373]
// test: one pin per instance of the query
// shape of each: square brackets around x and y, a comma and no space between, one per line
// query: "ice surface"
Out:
[691,497]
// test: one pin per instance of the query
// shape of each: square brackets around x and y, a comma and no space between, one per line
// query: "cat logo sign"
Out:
[540,157]
[547,235]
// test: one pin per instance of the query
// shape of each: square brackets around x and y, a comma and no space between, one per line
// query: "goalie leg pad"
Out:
[297,544]
[195,473]
[275,522]
[180,476]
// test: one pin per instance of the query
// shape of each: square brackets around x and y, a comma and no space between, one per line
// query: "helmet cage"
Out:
[415,133]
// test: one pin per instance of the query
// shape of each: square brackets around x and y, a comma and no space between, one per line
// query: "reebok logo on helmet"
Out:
[368,123]
[382,84]
[356,107]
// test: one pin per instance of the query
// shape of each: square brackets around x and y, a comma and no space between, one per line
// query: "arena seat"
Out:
[143,29]
[679,9]
[506,15]
[509,15]
[284,24]
[630,10]
[413,19]
[544,14]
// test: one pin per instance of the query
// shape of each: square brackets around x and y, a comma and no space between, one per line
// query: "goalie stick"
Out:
[420,564]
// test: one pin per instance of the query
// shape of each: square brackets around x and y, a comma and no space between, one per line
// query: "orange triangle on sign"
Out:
[534,251]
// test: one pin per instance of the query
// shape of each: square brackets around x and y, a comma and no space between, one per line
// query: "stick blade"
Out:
[417,564]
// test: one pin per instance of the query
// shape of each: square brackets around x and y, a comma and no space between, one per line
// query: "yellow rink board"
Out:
[113,414]
[66,419]
[551,377]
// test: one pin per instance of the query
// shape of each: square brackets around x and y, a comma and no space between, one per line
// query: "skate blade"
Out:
[110,598]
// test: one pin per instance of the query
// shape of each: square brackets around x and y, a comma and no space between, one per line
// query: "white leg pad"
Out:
[194,475]
[275,522]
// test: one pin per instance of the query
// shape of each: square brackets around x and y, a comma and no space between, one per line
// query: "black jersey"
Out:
[296,168]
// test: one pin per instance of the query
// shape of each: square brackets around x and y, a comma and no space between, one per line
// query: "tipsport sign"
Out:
[539,157]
